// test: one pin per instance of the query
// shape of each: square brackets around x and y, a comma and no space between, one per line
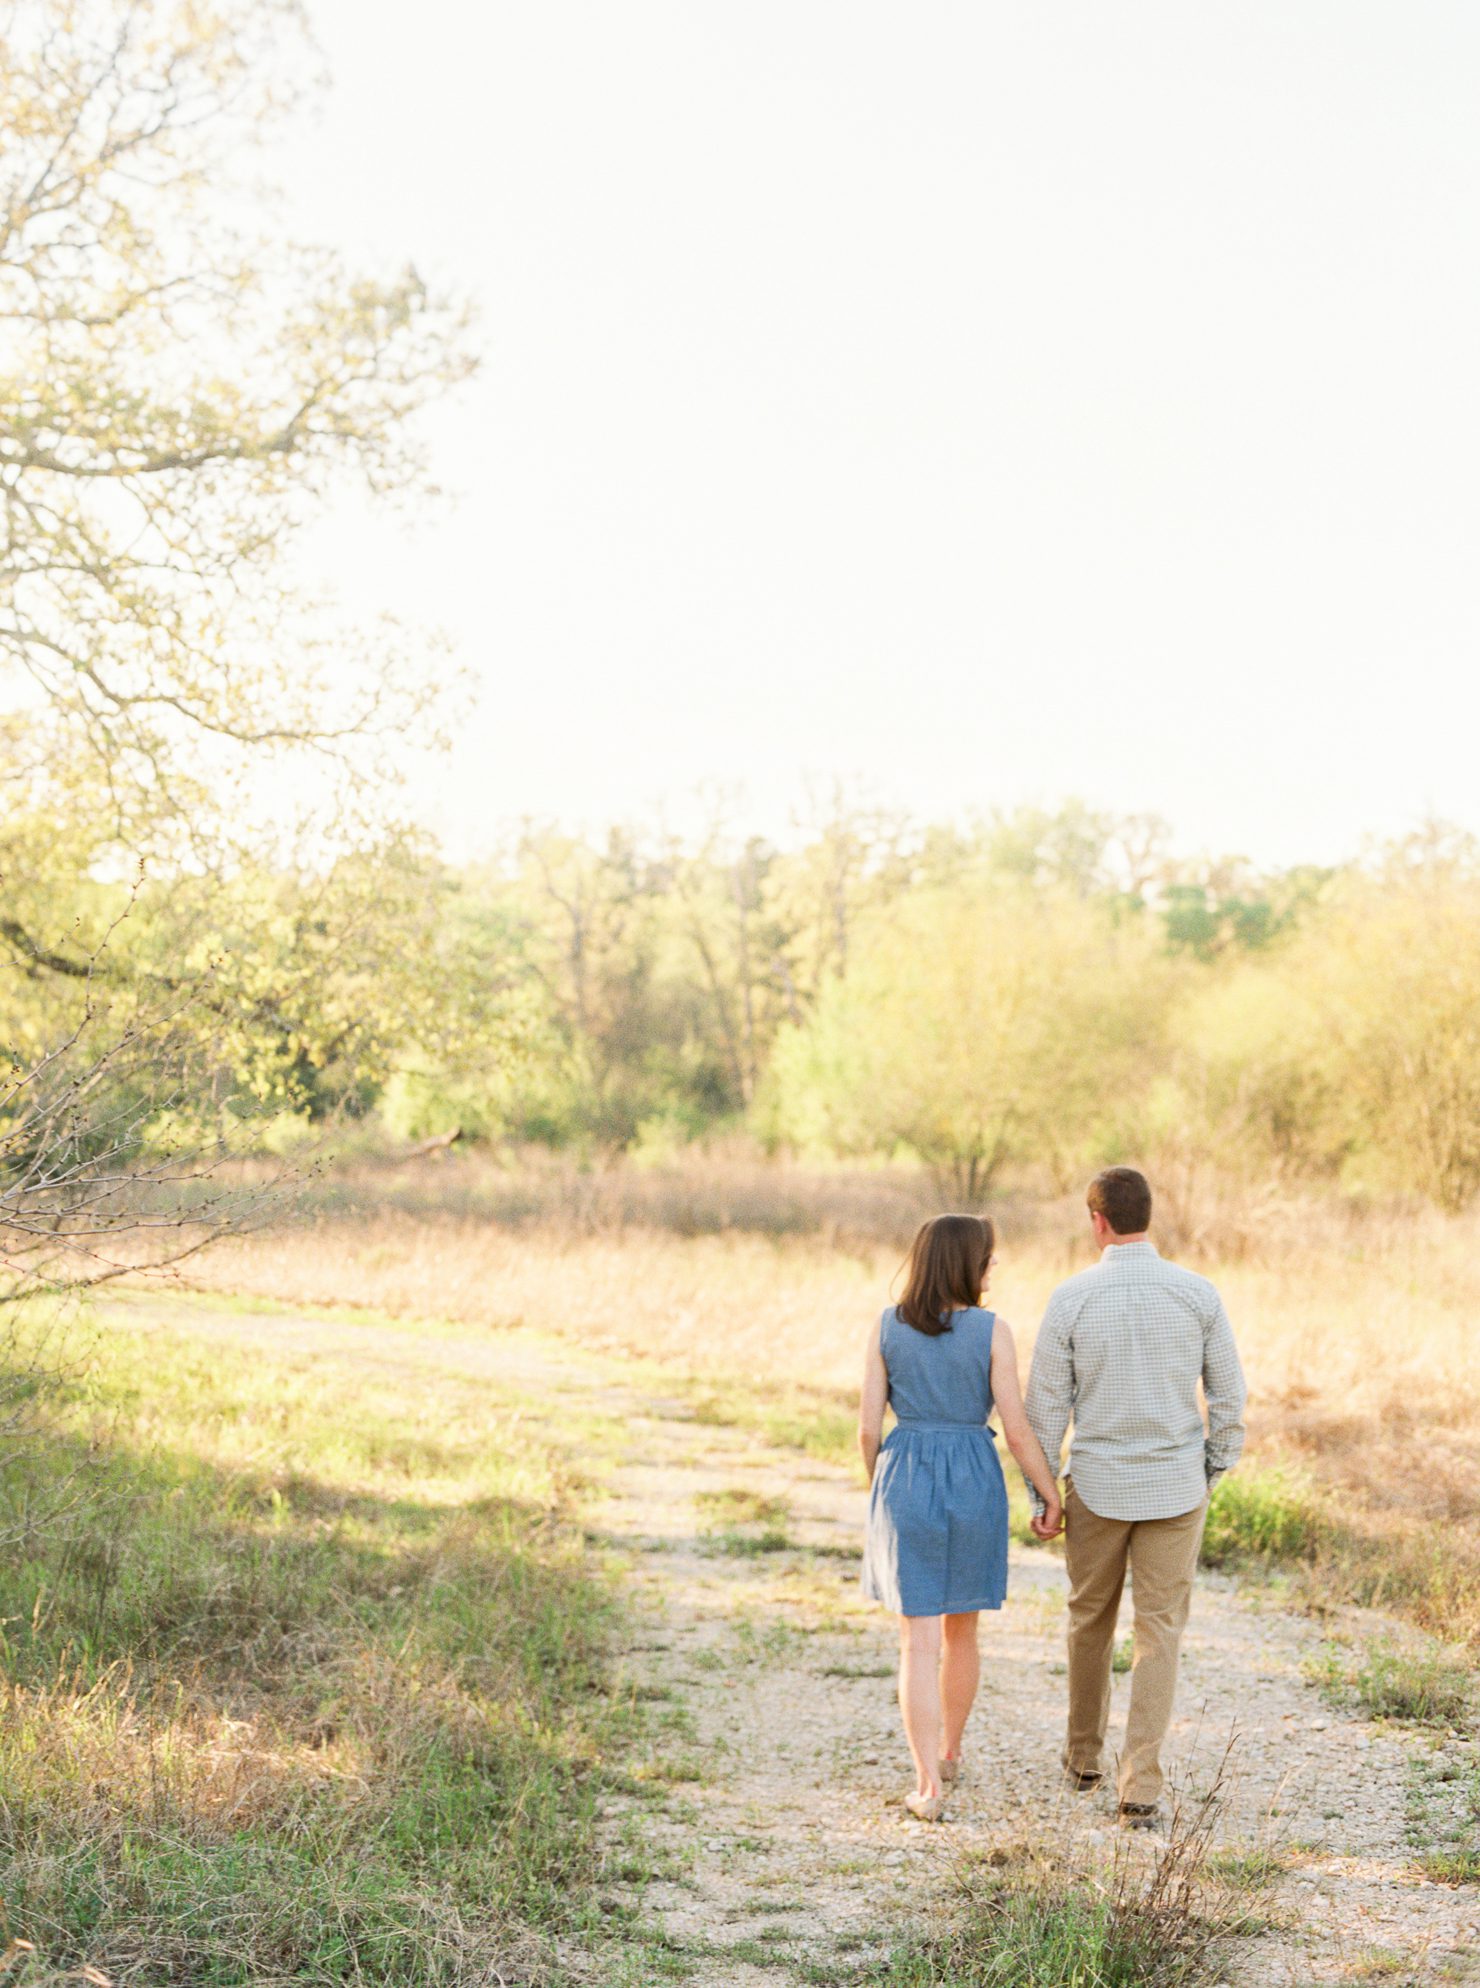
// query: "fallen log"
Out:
[438,1145]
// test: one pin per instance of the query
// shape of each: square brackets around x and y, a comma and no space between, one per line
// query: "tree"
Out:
[1348,1045]
[180,396]
[91,1184]
[718,902]
[852,860]
[627,1024]
[1255,1086]
[1212,908]
[1085,850]
[976,1028]
[1394,976]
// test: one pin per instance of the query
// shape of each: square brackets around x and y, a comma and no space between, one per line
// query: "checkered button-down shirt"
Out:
[1122,1349]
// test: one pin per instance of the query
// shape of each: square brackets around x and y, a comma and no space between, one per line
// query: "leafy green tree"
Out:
[631,1022]
[853,860]
[180,395]
[1253,1085]
[182,392]
[1351,1048]
[975,1028]
[1393,974]
[719,907]
[1228,907]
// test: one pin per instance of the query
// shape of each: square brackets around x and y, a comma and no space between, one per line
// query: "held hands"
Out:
[1049,1523]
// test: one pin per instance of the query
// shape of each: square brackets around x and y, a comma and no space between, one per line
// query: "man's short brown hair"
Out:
[1123,1197]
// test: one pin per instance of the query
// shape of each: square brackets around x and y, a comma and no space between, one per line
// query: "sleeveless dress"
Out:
[937,1515]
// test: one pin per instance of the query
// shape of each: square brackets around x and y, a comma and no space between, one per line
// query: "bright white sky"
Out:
[978,403]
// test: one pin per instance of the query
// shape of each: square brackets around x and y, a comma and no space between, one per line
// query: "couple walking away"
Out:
[1122,1350]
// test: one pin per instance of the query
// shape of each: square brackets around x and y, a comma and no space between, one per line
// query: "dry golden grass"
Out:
[1357,1329]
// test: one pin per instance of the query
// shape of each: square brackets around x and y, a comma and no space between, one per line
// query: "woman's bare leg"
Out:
[960,1673]
[919,1696]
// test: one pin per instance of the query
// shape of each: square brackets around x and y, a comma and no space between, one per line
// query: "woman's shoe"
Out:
[950,1768]
[925,1808]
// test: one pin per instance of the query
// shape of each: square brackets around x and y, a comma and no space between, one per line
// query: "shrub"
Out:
[1261,1515]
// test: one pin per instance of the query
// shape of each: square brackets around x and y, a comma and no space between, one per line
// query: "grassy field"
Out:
[295,1695]
[313,1679]
[758,1283]
[290,1694]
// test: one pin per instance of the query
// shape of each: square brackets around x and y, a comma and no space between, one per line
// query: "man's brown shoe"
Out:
[1139,1815]
[1082,1784]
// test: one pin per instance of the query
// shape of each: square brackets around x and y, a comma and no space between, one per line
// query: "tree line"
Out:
[1045,989]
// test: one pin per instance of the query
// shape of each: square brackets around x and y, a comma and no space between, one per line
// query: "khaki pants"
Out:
[1162,1557]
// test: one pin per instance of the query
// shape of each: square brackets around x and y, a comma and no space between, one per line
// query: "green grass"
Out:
[1248,1870]
[1443,1815]
[744,1522]
[1262,1517]
[742,1507]
[1428,1685]
[310,1683]
[164,1299]
[777,1642]
[730,1539]
[1278,1517]
[1382,1964]
[816,1421]
[1274,1517]
[1123,1655]
[1038,1927]
[1040,1914]
[1451,1866]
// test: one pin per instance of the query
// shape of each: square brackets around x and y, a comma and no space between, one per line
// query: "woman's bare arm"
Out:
[1007,1392]
[871,1403]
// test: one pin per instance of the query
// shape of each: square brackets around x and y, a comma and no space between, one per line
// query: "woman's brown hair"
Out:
[948,1266]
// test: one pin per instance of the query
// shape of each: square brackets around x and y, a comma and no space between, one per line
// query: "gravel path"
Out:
[782,1847]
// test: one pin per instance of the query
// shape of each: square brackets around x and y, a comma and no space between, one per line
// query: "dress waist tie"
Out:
[945,1428]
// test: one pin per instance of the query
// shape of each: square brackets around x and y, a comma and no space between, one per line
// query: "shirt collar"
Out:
[1129,1250]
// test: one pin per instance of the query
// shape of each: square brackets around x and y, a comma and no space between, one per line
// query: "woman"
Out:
[937,1519]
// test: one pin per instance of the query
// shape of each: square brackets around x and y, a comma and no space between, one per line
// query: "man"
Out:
[1122,1348]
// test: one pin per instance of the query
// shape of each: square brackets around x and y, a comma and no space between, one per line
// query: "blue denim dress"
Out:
[937,1515]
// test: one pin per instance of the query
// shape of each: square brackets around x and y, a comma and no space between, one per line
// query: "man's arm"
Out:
[1223,1386]
[1050,1398]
